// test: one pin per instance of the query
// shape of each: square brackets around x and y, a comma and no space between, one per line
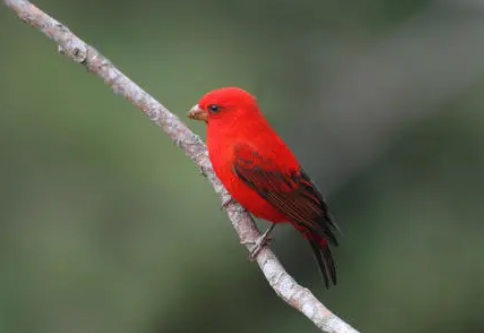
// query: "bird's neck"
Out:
[235,130]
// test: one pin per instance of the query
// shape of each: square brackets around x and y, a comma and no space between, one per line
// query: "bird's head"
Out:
[224,104]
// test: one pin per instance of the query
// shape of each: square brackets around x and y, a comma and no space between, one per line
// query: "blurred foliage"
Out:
[107,227]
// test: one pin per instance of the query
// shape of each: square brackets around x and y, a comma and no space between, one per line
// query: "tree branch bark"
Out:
[283,284]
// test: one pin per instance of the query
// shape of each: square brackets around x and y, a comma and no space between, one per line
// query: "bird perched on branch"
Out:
[261,173]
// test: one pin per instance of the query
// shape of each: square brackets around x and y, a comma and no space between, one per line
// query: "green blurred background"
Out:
[107,227]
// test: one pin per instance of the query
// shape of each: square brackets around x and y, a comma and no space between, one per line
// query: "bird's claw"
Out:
[227,201]
[259,244]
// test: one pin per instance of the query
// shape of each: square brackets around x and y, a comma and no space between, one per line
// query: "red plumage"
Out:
[260,171]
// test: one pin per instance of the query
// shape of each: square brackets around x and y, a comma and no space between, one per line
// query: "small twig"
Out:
[282,283]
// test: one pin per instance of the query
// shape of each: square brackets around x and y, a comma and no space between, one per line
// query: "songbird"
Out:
[262,174]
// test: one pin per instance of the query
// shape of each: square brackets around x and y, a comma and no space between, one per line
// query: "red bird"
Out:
[261,173]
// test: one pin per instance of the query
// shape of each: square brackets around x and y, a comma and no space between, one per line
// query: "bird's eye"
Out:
[214,108]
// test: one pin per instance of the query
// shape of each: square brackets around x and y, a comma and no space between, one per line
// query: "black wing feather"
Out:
[296,196]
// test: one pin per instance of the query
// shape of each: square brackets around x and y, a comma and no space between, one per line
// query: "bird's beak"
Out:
[197,113]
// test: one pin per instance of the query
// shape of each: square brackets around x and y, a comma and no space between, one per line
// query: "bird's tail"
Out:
[322,253]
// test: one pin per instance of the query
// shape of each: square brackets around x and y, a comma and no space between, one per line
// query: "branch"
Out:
[283,284]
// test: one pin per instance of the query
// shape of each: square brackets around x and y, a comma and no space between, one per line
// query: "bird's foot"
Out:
[261,242]
[227,201]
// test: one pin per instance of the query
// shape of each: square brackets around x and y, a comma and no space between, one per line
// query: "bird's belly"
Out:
[251,200]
